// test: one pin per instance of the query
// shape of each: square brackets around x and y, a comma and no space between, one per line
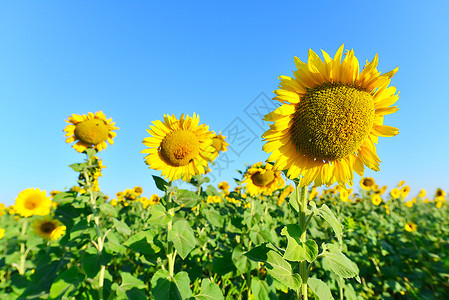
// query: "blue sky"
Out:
[137,60]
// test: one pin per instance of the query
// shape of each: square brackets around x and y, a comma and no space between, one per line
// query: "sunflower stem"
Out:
[301,196]
[23,250]
[171,255]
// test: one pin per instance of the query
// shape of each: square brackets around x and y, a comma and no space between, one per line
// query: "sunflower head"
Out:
[32,202]
[376,199]
[395,193]
[405,191]
[179,148]
[262,179]
[219,143]
[330,119]
[48,228]
[422,193]
[367,183]
[154,199]
[2,233]
[90,131]
[410,227]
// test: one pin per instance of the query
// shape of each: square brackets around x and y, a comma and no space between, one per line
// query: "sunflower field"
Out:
[293,227]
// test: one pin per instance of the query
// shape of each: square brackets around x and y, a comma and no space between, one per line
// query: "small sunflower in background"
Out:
[224,186]
[395,193]
[262,179]
[154,199]
[219,143]
[440,193]
[405,190]
[367,183]
[180,148]
[90,131]
[2,233]
[401,183]
[330,119]
[422,193]
[376,199]
[411,227]
[48,228]
[287,191]
[32,202]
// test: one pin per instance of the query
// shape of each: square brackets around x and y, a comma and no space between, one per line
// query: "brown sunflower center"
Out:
[263,179]
[93,131]
[332,121]
[368,182]
[47,227]
[32,202]
[217,144]
[180,147]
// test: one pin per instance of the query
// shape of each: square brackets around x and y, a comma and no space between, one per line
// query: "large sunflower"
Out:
[91,131]
[48,228]
[179,148]
[330,119]
[262,179]
[32,202]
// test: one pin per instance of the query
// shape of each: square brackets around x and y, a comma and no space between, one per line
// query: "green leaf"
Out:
[339,263]
[122,227]
[297,250]
[188,198]
[92,261]
[159,215]
[129,282]
[161,184]
[209,291]
[320,289]
[325,212]
[182,237]
[294,202]
[260,289]
[276,265]
[77,167]
[214,217]
[66,282]
[108,209]
[143,242]
[64,197]
[241,262]
[163,287]
[114,244]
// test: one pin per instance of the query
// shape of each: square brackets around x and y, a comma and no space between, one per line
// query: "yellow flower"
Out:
[215,199]
[344,195]
[2,233]
[330,119]
[247,205]
[409,203]
[404,191]
[48,228]
[395,193]
[32,202]
[138,190]
[387,209]
[287,191]
[78,189]
[154,199]
[120,195]
[422,193]
[262,179]
[439,204]
[401,183]
[224,186]
[114,202]
[219,143]
[439,192]
[440,199]
[376,199]
[179,148]
[90,131]
[426,200]
[367,183]
[313,194]
[410,227]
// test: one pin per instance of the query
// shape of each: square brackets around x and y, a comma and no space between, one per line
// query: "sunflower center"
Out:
[263,179]
[32,202]
[332,121]
[180,147]
[217,143]
[92,131]
[48,227]
[368,182]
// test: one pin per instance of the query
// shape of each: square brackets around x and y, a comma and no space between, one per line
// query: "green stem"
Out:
[301,195]
[23,250]
[171,255]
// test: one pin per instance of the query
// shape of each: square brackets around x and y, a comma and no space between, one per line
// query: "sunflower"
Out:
[409,204]
[91,131]
[154,199]
[410,227]
[395,193]
[32,202]
[330,119]
[219,143]
[367,183]
[405,191]
[180,148]
[262,179]
[287,191]
[401,183]
[48,228]
[224,186]
[439,192]
[422,193]
[376,199]
[2,233]
[138,190]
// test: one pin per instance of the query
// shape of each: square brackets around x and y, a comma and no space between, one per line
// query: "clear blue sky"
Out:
[136,60]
